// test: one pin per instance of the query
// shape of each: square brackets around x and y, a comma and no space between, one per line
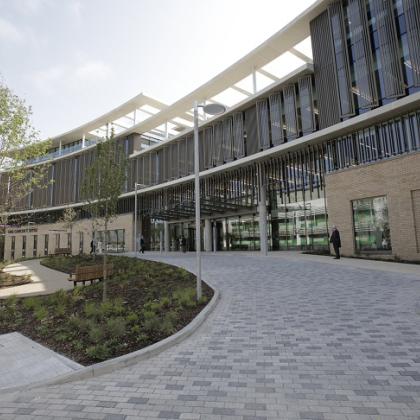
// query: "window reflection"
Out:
[371,225]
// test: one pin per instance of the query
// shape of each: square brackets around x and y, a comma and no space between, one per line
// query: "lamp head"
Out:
[214,109]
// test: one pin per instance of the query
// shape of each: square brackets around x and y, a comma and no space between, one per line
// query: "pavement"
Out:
[23,361]
[44,280]
[292,337]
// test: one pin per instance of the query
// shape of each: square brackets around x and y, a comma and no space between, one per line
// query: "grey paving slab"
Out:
[291,338]
[23,361]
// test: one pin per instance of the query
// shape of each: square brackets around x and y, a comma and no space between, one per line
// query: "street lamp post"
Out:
[135,217]
[211,109]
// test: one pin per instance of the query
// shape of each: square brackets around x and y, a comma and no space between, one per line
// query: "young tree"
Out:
[69,219]
[103,183]
[18,145]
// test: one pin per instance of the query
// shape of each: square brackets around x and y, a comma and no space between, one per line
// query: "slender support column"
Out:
[161,244]
[135,220]
[83,141]
[254,80]
[207,235]
[262,213]
[60,148]
[166,236]
[197,201]
[214,237]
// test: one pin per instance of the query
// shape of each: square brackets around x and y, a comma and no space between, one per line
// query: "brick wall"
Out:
[399,180]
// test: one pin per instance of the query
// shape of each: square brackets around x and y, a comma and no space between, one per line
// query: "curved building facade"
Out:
[333,139]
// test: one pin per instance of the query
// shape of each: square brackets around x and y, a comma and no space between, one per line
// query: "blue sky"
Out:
[73,60]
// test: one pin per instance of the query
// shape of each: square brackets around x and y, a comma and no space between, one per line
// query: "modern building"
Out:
[322,127]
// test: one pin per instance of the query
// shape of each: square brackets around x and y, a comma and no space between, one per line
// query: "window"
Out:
[13,246]
[80,242]
[35,247]
[57,240]
[23,246]
[115,240]
[46,237]
[69,240]
[371,225]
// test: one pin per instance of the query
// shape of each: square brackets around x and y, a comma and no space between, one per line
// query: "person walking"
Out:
[93,246]
[142,244]
[336,242]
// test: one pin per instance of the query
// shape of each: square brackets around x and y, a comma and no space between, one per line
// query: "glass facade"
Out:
[115,240]
[371,225]
[301,225]
[239,233]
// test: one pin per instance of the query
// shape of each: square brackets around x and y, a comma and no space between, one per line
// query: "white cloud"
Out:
[93,70]
[30,7]
[9,32]
[45,79]
[75,8]
[56,78]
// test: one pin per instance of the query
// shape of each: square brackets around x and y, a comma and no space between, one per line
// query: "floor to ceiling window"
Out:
[371,225]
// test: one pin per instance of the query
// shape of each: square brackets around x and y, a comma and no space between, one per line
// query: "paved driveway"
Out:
[291,338]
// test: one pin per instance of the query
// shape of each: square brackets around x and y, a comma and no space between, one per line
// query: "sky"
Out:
[73,60]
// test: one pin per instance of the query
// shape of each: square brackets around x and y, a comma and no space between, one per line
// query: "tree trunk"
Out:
[104,297]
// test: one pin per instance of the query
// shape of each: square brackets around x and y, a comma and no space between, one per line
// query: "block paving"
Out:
[290,339]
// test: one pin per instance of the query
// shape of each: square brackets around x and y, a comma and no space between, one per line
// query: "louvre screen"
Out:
[252,145]
[289,94]
[324,71]
[389,48]
[228,139]
[276,119]
[238,135]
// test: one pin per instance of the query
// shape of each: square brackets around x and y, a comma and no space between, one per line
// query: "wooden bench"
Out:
[62,251]
[90,273]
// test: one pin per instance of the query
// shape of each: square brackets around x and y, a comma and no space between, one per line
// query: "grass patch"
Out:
[148,302]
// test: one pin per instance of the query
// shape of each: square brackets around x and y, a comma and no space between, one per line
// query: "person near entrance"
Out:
[142,243]
[183,243]
[93,246]
[336,242]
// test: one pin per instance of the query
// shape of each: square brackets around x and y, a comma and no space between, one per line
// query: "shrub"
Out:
[31,303]
[135,329]
[204,299]
[61,337]
[132,318]
[61,297]
[118,306]
[165,302]
[96,333]
[167,326]
[41,312]
[105,309]
[92,310]
[98,351]
[78,324]
[186,297]
[116,327]
[60,309]
[151,321]
[11,302]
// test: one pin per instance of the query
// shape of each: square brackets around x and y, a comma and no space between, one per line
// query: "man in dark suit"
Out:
[336,242]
